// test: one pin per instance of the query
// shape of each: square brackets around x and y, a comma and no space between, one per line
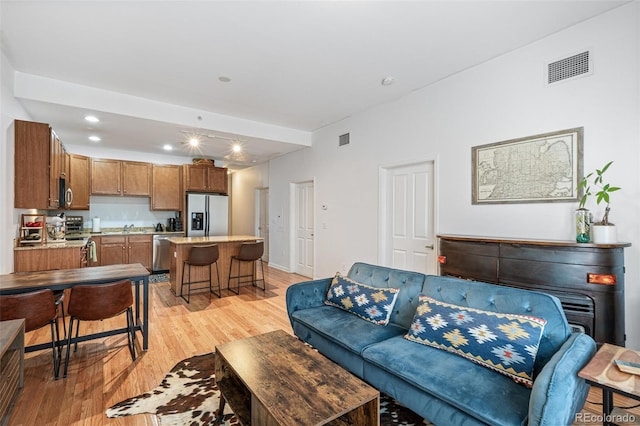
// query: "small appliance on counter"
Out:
[171,224]
[56,228]
[178,222]
[75,226]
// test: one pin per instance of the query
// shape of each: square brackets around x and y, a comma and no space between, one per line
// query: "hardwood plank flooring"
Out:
[101,373]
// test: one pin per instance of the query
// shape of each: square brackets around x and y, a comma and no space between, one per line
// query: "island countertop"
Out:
[228,245]
[214,239]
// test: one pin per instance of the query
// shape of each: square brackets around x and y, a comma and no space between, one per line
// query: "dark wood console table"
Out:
[587,278]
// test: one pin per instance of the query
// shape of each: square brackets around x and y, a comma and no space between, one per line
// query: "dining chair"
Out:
[38,308]
[98,302]
[249,253]
[201,256]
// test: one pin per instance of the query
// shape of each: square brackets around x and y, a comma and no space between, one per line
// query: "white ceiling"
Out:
[150,70]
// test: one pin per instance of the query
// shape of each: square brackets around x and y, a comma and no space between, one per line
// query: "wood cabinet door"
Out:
[113,250]
[56,166]
[79,181]
[140,250]
[166,192]
[31,167]
[30,260]
[136,178]
[196,178]
[64,258]
[105,177]
[217,180]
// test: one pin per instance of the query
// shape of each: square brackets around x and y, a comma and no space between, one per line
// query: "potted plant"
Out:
[603,230]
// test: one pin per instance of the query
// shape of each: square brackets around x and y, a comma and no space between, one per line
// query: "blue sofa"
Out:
[441,386]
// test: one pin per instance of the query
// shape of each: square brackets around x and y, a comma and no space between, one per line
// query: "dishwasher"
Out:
[161,256]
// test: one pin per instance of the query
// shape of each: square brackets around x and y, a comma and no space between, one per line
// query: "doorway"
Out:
[303,245]
[262,219]
[407,206]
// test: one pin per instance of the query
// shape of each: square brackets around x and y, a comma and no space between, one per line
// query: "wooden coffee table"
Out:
[275,379]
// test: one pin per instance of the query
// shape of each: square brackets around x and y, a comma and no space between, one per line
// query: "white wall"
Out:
[502,99]
[9,217]
[243,185]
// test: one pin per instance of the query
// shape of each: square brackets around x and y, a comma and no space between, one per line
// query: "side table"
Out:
[11,365]
[602,373]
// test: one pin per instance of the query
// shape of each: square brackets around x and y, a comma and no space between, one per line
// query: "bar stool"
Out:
[98,302]
[201,256]
[249,253]
[38,308]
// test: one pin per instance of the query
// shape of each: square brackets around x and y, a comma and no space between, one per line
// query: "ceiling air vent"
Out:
[343,139]
[578,65]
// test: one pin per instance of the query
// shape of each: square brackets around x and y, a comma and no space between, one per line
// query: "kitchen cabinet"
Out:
[105,177]
[203,178]
[79,182]
[38,166]
[136,178]
[120,249]
[166,189]
[45,259]
[115,177]
[57,170]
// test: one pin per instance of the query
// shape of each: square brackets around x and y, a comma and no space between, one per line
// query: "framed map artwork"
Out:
[541,168]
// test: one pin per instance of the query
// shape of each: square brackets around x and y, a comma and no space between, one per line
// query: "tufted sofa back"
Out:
[409,283]
[506,300]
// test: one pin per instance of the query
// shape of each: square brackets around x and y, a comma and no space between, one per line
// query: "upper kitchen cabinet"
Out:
[79,167]
[202,178]
[136,178]
[166,193]
[106,177]
[40,166]
[115,177]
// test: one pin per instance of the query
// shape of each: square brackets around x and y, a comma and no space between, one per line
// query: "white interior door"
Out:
[304,229]
[409,192]
[262,219]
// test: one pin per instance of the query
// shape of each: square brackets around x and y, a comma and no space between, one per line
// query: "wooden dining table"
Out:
[61,279]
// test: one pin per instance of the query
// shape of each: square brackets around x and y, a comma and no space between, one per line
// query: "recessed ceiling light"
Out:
[94,139]
[224,79]
[387,81]
[236,147]
[167,147]
[92,119]
[194,142]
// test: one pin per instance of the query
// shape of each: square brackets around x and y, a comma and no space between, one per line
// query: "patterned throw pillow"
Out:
[506,343]
[370,303]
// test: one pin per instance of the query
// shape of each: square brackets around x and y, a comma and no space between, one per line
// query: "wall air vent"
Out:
[343,139]
[578,65]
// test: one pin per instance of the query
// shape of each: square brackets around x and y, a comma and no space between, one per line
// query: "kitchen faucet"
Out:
[128,228]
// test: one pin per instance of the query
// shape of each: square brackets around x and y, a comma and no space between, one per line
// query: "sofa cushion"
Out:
[505,343]
[373,304]
[491,398]
[343,328]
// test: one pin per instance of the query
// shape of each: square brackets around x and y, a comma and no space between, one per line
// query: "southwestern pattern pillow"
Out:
[370,303]
[506,343]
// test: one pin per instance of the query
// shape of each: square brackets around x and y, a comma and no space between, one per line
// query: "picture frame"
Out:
[541,168]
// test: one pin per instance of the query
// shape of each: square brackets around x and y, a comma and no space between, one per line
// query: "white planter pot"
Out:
[604,234]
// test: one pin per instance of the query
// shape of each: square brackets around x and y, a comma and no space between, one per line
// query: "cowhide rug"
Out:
[188,395]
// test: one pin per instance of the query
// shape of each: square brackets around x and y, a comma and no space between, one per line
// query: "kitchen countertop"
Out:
[214,239]
[107,232]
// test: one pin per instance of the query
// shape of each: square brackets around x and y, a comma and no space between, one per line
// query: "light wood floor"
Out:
[101,373]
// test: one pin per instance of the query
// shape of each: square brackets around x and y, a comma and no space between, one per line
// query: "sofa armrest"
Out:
[306,294]
[558,393]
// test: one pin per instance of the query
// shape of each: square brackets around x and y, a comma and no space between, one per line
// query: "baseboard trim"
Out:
[280,267]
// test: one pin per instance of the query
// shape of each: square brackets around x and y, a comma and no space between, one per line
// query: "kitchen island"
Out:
[229,245]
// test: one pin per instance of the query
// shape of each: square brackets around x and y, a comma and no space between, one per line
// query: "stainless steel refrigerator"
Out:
[207,215]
